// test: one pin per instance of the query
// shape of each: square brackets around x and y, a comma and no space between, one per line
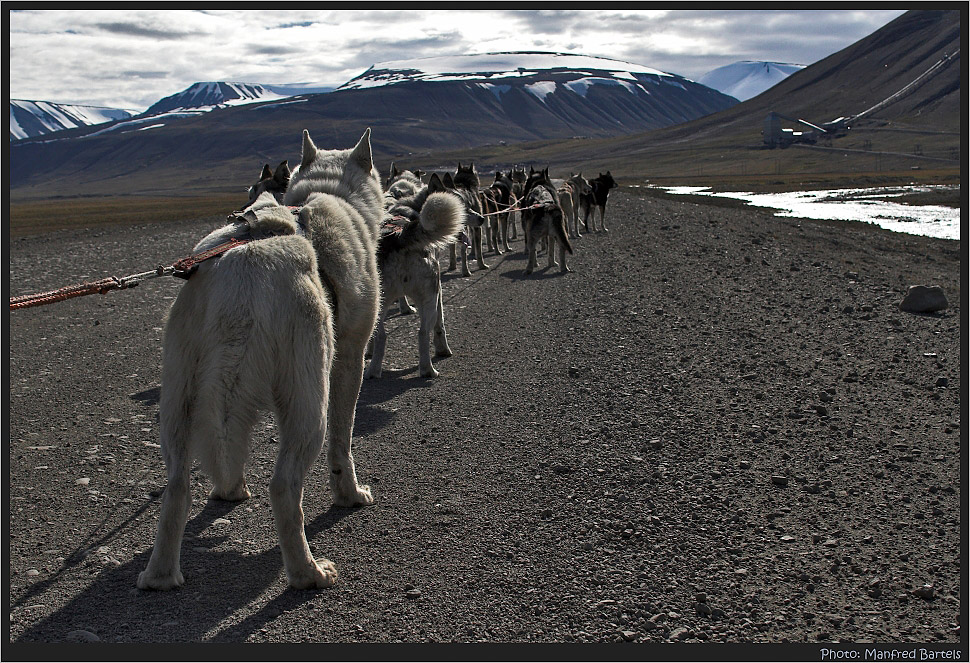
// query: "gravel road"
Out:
[718,427]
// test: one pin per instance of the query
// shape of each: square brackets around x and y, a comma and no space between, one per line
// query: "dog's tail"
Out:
[442,217]
[560,230]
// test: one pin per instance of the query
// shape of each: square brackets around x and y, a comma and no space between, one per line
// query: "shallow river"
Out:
[867,205]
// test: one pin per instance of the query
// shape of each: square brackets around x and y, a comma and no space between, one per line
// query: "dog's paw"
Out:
[322,575]
[161,582]
[444,352]
[429,372]
[359,497]
[238,493]
[376,373]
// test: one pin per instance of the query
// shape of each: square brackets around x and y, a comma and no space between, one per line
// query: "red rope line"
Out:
[183,268]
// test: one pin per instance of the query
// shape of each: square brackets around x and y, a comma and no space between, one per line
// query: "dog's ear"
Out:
[309,150]
[362,153]
[267,174]
[435,184]
[394,170]
[282,174]
[419,173]
[448,181]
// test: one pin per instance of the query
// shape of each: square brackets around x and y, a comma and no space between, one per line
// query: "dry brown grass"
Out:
[36,217]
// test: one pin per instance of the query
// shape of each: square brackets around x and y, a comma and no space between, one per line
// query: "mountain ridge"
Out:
[30,118]
[409,116]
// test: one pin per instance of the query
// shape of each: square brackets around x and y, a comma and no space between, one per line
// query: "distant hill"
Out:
[746,79]
[205,96]
[903,81]
[413,106]
[38,118]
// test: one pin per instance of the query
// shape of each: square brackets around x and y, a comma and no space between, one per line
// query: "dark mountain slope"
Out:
[406,118]
[924,123]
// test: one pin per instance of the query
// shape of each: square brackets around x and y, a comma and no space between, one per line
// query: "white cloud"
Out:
[130,58]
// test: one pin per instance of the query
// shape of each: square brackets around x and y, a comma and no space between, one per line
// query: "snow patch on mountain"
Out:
[36,118]
[211,95]
[747,79]
[487,66]
[581,85]
[541,90]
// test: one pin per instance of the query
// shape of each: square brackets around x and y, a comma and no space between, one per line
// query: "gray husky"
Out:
[402,183]
[408,264]
[542,217]
[279,323]
[465,184]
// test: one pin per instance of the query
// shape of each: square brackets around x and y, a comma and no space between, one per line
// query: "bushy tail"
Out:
[559,229]
[442,217]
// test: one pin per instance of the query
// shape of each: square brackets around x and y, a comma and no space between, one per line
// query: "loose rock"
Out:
[924,299]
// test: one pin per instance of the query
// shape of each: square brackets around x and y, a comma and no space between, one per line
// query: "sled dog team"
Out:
[283,322]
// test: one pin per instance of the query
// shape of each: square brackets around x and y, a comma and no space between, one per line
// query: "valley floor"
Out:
[718,428]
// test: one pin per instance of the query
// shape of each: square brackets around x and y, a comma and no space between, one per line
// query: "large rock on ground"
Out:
[924,299]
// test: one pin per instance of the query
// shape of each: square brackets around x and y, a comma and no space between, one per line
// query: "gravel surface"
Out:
[718,428]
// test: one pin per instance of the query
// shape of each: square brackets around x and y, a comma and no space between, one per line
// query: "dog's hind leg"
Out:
[603,218]
[477,244]
[378,343]
[505,231]
[464,258]
[431,318]
[453,262]
[530,250]
[228,473]
[406,308]
[440,338]
[551,244]
[345,380]
[163,570]
[302,428]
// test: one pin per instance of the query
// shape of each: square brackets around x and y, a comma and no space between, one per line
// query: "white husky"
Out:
[280,323]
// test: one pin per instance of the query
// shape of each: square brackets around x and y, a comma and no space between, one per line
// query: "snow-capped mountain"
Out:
[531,94]
[421,105]
[746,79]
[203,97]
[36,118]
[492,66]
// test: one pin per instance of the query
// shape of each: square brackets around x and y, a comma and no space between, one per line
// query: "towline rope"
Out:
[183,269]
[512,209]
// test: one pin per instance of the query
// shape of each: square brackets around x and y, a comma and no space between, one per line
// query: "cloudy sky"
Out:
[132,58]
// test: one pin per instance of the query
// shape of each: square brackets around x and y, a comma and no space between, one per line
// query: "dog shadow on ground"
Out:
[371,417]
[148,397]
[539,274]
[218,584]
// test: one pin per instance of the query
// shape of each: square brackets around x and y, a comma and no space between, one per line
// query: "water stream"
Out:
[866,205]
